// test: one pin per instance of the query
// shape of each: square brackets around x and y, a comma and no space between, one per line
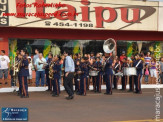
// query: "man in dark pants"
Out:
[131,78]
[56,76]
[139,67]
[24,72]
[49,83]
[109,73]
[124,78]
[69,75]
[76,69]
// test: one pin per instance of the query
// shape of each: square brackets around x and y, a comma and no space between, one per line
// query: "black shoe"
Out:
[130,91]
[106,93]
[21,96]
[70,97]
[98,92]
[83,94]
[26,96]
[48,90]
[136,92]
[139,92]
[55,95]
[77,93]
[110,93]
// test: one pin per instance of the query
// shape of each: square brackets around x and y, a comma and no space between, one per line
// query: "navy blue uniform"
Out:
[48,81]
[55,81]
[108,75]
[83,79]
[94,78]
[99,77]
[76,77]
[138,77]
[124,78]
[115,80]
[131,79]
[88,78]
[23,73]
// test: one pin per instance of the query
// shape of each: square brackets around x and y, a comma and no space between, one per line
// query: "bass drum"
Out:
[129,71]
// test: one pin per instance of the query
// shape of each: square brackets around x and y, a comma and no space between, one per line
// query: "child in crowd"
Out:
[146,73]
[30,71]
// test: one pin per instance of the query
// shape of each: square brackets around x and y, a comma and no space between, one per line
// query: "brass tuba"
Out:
[109,45]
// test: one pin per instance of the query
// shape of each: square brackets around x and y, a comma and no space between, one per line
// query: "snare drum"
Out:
[93,73]
[129,71]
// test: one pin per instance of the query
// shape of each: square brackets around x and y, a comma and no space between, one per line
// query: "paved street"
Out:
[121,106]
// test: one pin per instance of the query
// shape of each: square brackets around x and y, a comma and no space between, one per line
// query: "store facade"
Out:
[135,25]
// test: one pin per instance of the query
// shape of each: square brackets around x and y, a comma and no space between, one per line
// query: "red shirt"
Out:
[122,57]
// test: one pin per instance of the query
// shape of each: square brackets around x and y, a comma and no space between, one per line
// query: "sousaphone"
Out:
[109,45]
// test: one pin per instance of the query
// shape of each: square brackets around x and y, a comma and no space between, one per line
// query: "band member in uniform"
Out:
[14,77]
[24,72]
[77,76]
[131,78]
[116,69]
[139,68]
[124,78]
[99,78]
[83,76]
[108,74]
[94,78]
[56,76]
[88,78]
[76,69]
[48,80]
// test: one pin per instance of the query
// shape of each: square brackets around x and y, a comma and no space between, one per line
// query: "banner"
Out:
[157,51]
[12,48]
[129,49]
[47,48]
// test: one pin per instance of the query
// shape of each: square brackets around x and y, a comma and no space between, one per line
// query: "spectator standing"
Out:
[161,68]
[153,70]
[123,56]
[147,58]
[4,66]
[40,70]
[30,71]
[36,55]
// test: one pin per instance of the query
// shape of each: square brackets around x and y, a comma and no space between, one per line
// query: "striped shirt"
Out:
[147,60]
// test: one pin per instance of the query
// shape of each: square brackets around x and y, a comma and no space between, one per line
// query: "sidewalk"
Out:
[37,89]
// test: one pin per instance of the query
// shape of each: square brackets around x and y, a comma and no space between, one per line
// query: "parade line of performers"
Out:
[76,70]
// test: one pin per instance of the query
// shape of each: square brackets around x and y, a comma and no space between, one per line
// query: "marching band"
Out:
[88,69]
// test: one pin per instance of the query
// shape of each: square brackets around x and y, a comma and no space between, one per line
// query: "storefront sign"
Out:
[3,9]
[93,14]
